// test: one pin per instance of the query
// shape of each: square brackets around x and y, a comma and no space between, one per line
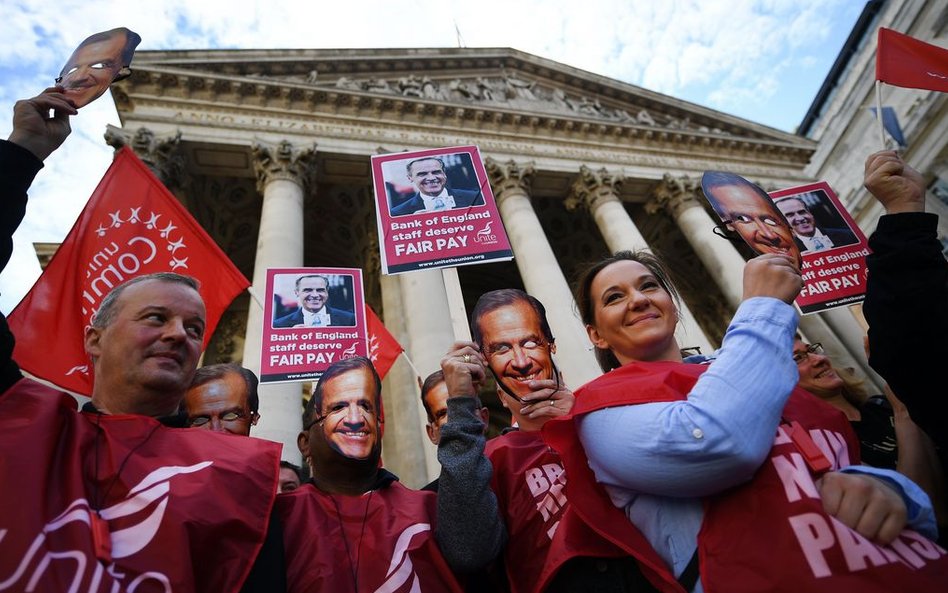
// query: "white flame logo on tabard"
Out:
[119,259]
[151,495]
[401,569]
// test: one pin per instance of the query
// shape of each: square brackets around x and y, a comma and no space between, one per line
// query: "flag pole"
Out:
[452,289]
[254,296]
[879,113]
[411,364]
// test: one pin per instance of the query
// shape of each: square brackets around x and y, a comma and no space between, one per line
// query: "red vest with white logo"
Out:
[186,510]
[544,530]
[771,533]
[387,534]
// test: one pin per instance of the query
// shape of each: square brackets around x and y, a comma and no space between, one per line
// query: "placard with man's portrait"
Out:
[314,317]
[435,209]
[834,247]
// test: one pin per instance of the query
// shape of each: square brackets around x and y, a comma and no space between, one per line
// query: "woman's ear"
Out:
[595,338]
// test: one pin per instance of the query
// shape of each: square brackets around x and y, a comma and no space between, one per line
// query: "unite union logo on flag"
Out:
[131,226]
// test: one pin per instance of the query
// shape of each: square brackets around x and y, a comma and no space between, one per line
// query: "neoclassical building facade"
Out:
[270,151]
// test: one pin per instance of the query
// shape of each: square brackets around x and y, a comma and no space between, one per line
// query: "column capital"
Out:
[283,161]
[510,176]
[593,189]
[162,155]
[675,195]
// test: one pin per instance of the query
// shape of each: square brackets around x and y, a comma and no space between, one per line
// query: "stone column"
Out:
[406,448]
[682,196]
[541,273]
[283,172]
[430,335]
[598,192]
[162,156]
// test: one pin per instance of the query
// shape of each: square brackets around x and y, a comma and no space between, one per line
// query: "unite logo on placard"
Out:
[485,235]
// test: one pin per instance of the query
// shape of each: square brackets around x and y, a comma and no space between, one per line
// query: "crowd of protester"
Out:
[676,481]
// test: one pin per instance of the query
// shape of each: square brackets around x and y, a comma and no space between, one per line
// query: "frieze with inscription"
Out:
[390,135]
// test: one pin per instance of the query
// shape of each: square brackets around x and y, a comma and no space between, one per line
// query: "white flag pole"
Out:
[452,289]
[254,296]
[879,114]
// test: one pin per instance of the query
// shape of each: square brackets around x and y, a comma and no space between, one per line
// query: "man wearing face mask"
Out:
[353,526]
[548,548]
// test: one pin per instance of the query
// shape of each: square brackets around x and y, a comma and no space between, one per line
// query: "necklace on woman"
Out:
[353,566]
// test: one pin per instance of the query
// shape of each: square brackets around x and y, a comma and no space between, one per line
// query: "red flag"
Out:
[131,226]
[907,62]
[383,347]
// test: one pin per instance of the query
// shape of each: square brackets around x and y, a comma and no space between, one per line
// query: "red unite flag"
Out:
[131,226]
[907,62]
[383,347]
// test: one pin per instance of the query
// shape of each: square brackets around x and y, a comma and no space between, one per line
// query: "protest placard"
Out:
[313,318]
[436,210]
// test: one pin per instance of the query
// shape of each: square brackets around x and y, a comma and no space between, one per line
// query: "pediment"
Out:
[497,85]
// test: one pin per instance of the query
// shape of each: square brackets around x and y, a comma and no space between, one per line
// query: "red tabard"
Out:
[770,534]
[388,535]
[544,531]
[186,510]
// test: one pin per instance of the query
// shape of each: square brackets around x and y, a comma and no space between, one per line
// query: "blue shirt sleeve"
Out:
[722,432]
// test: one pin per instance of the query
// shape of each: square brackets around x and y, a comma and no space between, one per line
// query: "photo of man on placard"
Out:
[816,223]
[432,183]
[100,60]
[322,301]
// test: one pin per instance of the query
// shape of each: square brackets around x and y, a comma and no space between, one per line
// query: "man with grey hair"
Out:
[117,485]
[145,342]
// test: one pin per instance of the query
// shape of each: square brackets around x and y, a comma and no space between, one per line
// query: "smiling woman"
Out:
[683,448]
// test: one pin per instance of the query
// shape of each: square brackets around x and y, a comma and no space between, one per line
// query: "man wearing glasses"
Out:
[547,548]
[223,398]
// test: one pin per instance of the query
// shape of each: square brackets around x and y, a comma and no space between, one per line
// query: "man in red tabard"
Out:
[354,527]
[548,547]
[116,497]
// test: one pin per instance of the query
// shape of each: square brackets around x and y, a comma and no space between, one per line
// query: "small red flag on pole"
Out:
[383,347]
[907,62]
[131,226]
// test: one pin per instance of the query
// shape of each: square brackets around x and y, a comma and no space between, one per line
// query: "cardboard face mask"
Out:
[746,209]
[100,60]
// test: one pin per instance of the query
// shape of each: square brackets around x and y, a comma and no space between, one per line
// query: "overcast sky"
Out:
[762,60]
